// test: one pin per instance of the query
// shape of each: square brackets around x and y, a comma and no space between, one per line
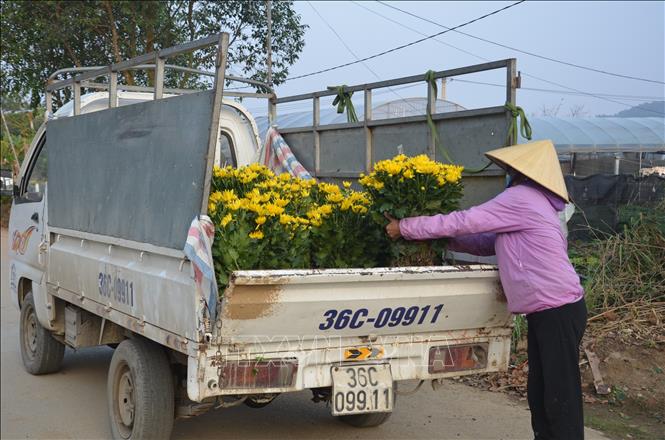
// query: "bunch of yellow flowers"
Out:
[412,186]
[408,186]
[264,221]
[403,168]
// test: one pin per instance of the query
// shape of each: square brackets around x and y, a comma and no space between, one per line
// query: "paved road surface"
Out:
[72,404]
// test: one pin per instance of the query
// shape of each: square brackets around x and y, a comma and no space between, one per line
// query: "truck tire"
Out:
[41,353]
[140,391]
[369,420]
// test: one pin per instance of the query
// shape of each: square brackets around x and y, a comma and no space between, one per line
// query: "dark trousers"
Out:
[554,385]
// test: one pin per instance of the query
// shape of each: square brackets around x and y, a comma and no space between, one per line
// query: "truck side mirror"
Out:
[15,191]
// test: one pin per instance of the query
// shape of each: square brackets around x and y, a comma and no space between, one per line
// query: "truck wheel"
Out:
[140,391]
[369,420]
[41,353]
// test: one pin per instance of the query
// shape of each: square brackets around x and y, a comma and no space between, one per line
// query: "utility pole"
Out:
[269,42]
[272,108]
[17,164]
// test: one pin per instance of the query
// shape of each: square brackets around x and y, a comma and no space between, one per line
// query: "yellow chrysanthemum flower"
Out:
[212,207]
[325,209]
[260,220]
[359,209]
[216,197]
[226,220]
[272,210]
[235,205]
[227,196]
[281,202]
[329,188]
[335,197]
[346,184]
[257,235]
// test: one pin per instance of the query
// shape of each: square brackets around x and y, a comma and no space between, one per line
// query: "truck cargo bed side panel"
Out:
[154,289]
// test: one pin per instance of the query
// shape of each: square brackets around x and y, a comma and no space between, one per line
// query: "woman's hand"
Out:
[392,228]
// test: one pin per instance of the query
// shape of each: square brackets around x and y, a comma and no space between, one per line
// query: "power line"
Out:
[567,63]
[525,74]
[339,37]
[534,89]
[403,46]
[591,94]
[359,4]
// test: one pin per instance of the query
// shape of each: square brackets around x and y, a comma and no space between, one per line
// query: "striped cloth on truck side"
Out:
[277,156]
[198,248]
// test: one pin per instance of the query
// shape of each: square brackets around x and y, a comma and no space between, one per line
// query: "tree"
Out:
[39,37]
[644,110]
[577,111]
[551,111]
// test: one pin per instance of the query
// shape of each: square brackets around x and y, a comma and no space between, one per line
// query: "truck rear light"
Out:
[274,373]
[446,359]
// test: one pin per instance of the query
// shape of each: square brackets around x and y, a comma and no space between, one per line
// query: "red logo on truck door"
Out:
[20,240]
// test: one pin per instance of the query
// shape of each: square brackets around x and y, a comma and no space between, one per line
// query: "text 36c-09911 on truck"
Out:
[99,220]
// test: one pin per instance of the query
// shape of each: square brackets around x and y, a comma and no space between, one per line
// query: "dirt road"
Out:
[72,404]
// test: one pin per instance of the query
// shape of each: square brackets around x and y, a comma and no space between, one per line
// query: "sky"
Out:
[621,37]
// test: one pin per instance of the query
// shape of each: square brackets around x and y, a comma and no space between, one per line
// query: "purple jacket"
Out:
[522,228]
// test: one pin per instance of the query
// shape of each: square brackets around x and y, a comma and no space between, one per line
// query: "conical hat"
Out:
[536,160]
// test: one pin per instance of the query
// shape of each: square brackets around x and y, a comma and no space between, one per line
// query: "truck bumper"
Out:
[285,365]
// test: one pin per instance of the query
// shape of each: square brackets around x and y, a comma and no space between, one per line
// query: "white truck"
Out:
[96,257]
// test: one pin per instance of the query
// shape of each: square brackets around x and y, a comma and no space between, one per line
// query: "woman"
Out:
[521,227]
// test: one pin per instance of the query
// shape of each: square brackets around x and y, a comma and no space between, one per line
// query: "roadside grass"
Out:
[617,424]
[622,269]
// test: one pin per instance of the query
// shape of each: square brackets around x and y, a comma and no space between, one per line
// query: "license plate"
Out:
[361,389]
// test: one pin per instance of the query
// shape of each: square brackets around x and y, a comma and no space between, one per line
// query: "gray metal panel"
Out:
[468,139]
[302,145]
[412,137]
[133,172]
[479,189]
[343,150]
[467,135]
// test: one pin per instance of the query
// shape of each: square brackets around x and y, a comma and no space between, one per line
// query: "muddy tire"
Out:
[140,391]
[41,353]
[366,420]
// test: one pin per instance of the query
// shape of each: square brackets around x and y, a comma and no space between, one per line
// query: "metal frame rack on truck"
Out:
[100,215]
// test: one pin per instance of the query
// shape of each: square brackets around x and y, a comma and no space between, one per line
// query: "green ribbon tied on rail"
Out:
[524,126]
[431,80]
[343,102]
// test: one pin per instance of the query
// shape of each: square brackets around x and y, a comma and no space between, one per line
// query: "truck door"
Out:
[27,226]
